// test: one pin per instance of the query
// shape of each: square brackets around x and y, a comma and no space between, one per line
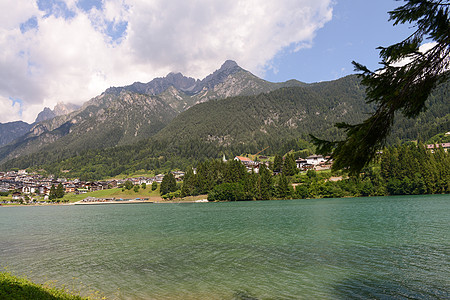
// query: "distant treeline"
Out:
[409,169]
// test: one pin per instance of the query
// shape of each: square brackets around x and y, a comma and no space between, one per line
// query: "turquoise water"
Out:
[386,247]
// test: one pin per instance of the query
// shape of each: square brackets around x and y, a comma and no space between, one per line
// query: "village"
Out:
[33,188]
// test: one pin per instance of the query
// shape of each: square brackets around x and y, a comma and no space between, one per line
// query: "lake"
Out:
[379,247]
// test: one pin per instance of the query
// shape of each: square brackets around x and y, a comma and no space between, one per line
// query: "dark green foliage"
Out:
[144,186]
[278,163]
[397,88]
[412,169]
[154,185]
[408,169]
[284,189]
[227,192]
[266,183]
[215,178]
[59,191]
[128,185]
[311,174]
[168,184]
[52,194]
[56,192]
[189,184]
[289,165]
[172,195]
[136,188]
[235,171]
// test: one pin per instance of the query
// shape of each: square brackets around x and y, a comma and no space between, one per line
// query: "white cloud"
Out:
[9,110]
[74,59]
[13,13]
[422,48]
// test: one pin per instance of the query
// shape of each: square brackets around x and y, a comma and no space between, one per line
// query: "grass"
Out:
[13,287]
[116,193]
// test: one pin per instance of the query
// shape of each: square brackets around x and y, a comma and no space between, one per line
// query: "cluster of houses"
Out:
[26,187]
[445,146]
[312,162]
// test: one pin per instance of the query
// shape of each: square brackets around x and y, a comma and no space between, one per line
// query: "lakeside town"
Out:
[20,186]
[34,188]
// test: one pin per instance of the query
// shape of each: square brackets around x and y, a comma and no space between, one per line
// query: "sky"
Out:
[72,50]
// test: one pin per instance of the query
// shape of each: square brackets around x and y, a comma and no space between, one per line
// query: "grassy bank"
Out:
[12,288]
[116,193]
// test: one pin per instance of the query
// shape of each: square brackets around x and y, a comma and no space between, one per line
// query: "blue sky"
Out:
[354,33]
[72,50]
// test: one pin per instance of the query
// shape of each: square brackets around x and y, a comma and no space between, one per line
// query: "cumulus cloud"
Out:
[70,51]
[9,110]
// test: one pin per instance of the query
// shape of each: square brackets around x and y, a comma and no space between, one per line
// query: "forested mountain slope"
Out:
[12,130]
[125,115]
[257,121]
[105,121]
[231,126]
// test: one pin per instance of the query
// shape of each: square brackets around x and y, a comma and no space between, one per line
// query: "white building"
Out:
[315,160]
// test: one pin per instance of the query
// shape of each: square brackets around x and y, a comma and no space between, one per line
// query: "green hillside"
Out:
[280,120]
[105,121]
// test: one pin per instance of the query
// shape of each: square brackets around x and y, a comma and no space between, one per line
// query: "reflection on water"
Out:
[387,247]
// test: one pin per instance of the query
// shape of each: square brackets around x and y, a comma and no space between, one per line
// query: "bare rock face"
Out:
[123,115]
[46,114]
[65,108]
[59,110]
[182,92]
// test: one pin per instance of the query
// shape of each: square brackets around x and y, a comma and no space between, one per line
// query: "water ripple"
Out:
[387,247]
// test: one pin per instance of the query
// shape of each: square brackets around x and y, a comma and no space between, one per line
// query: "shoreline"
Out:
[156,201]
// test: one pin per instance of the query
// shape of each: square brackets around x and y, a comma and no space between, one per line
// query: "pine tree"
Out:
[59,191]
[277,163]
[189,181]
[283,190]
[168,184]
[289,165]
[52,194]
[266,184]
[397,87]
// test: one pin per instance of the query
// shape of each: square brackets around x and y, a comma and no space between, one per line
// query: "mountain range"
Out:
[123,115]
[229,111]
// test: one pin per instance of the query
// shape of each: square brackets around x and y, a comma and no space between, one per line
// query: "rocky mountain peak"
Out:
[228,68]
[59,110]
[179,81]
[229,64]
[45,114]
[64,108]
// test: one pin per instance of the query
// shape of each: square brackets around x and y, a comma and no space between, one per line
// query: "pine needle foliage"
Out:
[402,85]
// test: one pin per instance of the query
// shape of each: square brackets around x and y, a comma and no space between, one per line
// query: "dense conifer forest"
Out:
[408,169]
